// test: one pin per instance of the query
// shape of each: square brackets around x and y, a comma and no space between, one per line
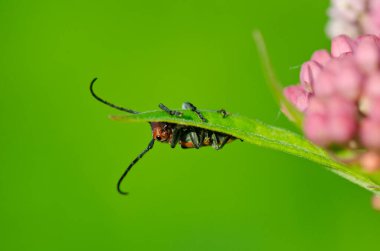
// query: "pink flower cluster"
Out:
[354,17]
[339,96]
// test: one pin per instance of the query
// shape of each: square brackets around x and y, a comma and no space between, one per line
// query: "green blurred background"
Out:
[61,156]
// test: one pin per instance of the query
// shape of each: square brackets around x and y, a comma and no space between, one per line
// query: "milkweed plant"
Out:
[336,104]
[339,99]
[338,93]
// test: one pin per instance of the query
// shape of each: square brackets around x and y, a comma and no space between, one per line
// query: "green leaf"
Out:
[258,133]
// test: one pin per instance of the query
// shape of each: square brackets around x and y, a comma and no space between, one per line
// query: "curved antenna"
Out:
[106,102]
[150,146]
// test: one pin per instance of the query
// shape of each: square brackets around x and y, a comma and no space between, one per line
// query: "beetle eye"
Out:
[158,137]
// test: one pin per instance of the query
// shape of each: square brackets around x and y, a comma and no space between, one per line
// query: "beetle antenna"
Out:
[150,146]
[106,102]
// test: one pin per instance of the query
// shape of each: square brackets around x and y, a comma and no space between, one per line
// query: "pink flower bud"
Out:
[368,38]
[317,107]
[326,84]
[341,129]
[309,72]
[374,10]
[368,25]
[340,45]
[374,5]
[372,86]
[376,202]
[334,66]
[342,119]
[322,57]
[368,53]
[374,109]
[339,106]
[370,161]
[370,134]
[349,82]
[316,129]
[297,96]
[371,93]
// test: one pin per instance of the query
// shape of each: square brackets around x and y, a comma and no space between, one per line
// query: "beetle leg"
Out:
[223,112]
[195,139]
[191,107]
[201,136]
[225,140]
[176,136]
[171,112]
[215,141]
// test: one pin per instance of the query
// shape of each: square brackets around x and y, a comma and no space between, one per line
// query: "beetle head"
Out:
[161,131]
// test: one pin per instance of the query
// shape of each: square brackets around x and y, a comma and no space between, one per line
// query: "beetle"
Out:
[172,133]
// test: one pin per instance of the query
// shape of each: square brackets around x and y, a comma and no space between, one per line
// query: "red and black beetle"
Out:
[173,134]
